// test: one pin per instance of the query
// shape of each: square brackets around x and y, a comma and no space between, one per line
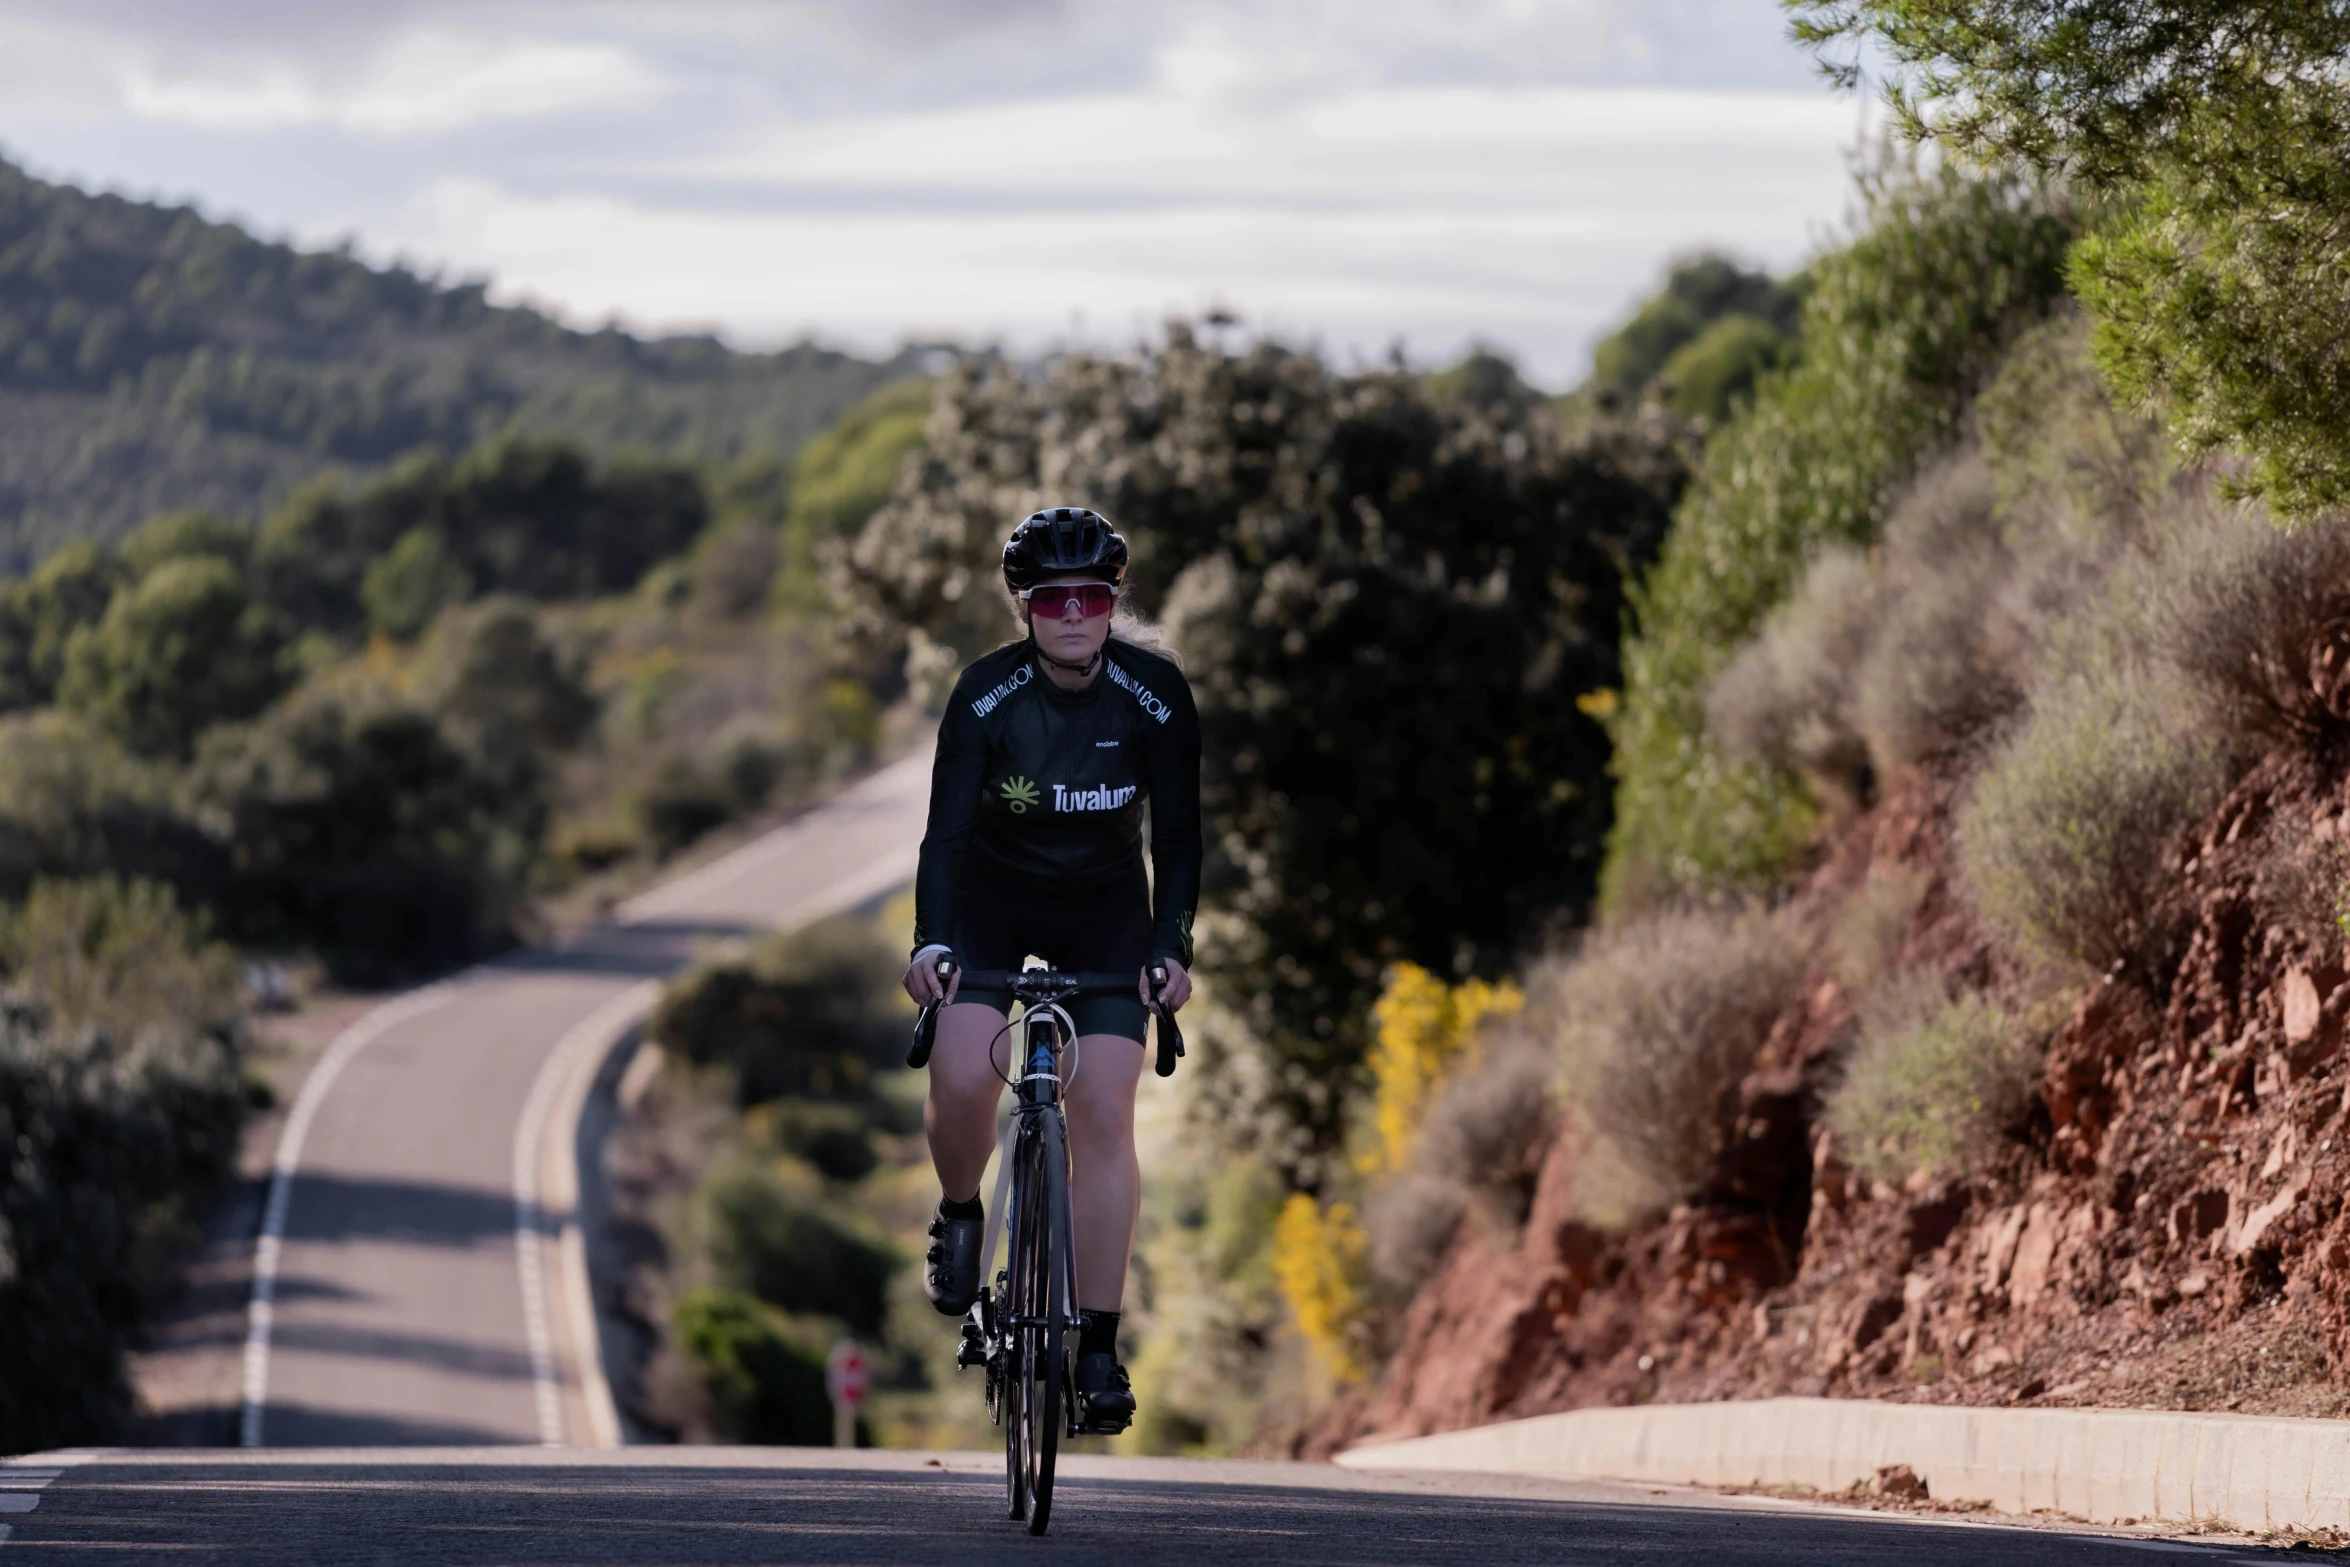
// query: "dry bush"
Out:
[2064,839]
[1410,1222]
[1656,1022]
[1866,937]
[1934,1081]
[1935,673]
[1480,1149]
[2304,884]
[2261,622]
[1786,697]
[1488,1129]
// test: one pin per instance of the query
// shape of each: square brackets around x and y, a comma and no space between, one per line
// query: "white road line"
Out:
[873,794]
[267,1251]
[588,1038]
[20,1491]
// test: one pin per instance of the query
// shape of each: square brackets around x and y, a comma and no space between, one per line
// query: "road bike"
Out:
[1018,1330]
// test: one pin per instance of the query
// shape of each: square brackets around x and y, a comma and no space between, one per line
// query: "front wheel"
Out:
[1038,1320]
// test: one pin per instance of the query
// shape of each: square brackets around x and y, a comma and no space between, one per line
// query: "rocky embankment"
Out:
[2169,1232]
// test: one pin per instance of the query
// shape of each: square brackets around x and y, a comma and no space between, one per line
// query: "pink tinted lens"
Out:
[1093,600]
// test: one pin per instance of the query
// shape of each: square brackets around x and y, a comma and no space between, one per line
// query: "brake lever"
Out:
[1170,1036]
[926,1026]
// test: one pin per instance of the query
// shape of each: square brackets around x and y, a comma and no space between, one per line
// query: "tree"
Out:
[2220,133]
[411,583]
[1390,603]
[2098,88]
[515,701]
[1698,293]
[357,826]
[183,648]
[1387,661]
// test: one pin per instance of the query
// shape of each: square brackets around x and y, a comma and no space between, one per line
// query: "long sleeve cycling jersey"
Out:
[1044,788]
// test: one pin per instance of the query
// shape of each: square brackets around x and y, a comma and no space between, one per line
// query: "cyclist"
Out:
[1049,748]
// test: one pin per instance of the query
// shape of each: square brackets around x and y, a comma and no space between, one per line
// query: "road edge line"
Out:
[269,1247]
[586,1041]
[550,1127]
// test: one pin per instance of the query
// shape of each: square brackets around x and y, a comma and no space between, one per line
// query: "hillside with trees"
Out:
[153,360]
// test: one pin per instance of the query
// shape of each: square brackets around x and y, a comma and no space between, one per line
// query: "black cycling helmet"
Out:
[1063,541]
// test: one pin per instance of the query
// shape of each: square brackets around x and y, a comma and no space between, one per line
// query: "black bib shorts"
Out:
[1000,924]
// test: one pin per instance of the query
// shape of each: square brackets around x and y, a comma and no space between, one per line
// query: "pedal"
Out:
[1091,1424]
[972,1351]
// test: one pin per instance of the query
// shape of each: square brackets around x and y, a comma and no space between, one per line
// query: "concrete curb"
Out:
[2099,1465]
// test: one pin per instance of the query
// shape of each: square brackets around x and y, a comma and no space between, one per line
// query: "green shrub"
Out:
[411,583]
[762,1385]
[1709,373]
[359,828]
[72,805]
[775,1232]
[808,1015]
[2063,841]
[183,535]
[511,696]
[115,1150]
[182,649]
[119,957]
[1656,1021]
[1699,294]
[1900,328]
[836,1139]
[844,475]
[731,569]
[1934,1081]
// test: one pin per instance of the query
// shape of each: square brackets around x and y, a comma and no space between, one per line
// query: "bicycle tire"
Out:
[1049,1409]
[1019,1386]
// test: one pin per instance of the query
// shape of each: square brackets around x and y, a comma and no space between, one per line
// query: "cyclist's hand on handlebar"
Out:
[1178,989]
[925,984]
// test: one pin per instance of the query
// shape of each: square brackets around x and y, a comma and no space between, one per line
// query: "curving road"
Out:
[709,1506]
[409,1286]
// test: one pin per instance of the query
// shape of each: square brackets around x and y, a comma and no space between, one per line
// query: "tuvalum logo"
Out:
[1068,799]
[1144,697]
[1018,678]
[1020,794]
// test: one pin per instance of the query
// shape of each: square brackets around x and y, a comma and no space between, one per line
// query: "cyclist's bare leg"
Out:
[964,1092]
[1106,1186]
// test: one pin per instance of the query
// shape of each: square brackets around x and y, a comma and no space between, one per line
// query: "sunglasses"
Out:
[1092,599]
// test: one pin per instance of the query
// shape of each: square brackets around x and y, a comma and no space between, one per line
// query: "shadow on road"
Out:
[506,1513]
[414,1349]
[421,1213]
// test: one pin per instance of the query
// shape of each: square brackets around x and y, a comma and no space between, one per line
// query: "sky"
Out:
[1357,174]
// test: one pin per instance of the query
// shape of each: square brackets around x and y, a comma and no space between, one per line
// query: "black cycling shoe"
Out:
[1105,1402]
[952,1277]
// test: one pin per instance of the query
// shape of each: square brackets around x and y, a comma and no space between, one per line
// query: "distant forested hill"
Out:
[152,360]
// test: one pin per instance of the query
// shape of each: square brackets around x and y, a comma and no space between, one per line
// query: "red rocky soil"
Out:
[2169,1233]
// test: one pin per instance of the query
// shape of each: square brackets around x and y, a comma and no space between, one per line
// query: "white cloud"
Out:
[1523,217]
[1439,170]
[420,83]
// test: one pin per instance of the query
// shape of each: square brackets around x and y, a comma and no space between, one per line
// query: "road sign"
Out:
[846,1376]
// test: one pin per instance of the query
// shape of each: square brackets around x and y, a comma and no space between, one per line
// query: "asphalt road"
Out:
[399,1312]
[685,1507]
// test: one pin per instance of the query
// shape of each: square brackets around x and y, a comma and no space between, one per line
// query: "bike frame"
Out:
[1037,1099]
